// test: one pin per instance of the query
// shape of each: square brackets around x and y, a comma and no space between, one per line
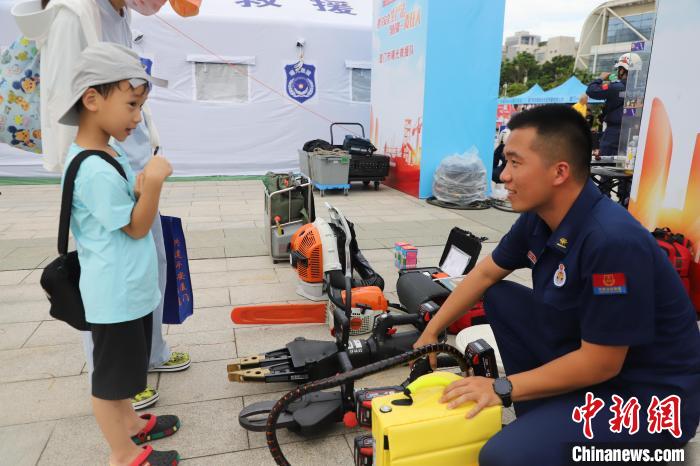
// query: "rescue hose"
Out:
[341,379]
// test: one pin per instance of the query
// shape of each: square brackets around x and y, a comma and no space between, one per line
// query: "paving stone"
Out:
[234,278]
[207,381]
[249,263]
[205,346]
[208,428]
[204,252]
[211,297]
[54,332]
[26,311]
[34,277]
[261,339]
[21,293]
[250,249]
[57,398]
[15,335]
[33,252]
[13,277]
[44,362]
[263,293]
[76,440]
[22,445]
[204,320]
[207,265]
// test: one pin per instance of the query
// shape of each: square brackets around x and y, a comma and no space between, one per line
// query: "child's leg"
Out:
[120,356]
[113,423]
[134,423]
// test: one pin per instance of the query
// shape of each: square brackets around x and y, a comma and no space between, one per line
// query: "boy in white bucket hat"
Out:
[111,218]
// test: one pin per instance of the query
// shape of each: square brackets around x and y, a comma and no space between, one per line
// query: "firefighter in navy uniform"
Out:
[613,93]
[607,314]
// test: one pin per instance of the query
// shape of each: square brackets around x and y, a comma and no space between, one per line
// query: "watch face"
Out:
[502,387]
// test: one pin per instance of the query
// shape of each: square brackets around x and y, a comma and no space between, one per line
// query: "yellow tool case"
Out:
[417,430]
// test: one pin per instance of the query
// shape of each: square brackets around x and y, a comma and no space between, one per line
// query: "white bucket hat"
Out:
[103,63]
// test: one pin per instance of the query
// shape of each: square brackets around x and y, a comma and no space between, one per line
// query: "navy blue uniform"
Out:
[600,277]
[614,95]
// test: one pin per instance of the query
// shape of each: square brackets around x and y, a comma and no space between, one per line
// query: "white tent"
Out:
[226,110]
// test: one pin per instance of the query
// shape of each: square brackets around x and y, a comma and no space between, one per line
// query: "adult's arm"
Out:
[468,292]
[59,56]
[598,90]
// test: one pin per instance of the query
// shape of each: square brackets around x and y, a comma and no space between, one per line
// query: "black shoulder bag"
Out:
[61,277]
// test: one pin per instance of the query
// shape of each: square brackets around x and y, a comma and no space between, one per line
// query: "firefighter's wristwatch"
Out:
[503,389]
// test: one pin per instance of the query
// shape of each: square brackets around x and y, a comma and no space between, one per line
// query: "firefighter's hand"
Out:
[427,339]
[604,75]
[477,389]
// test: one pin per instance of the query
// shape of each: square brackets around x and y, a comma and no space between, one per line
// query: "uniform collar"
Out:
[564,236]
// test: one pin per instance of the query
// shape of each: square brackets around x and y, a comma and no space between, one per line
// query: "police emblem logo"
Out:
[560,276]
[563,242]
[301,81]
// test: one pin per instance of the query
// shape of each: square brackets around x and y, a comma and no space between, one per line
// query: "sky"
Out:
[548,18]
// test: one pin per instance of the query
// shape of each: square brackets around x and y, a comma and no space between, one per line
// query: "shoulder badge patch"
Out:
[609,283]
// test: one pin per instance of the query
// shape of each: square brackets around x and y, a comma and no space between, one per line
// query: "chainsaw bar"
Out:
[273,314]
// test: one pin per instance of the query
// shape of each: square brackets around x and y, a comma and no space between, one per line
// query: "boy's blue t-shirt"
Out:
[119,274]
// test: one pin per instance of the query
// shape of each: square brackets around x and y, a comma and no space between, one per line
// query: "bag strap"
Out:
[67,194]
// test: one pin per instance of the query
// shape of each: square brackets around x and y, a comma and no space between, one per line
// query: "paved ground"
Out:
[44,393]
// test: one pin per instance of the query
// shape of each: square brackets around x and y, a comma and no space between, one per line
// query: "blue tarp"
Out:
[531,96]
[566,93]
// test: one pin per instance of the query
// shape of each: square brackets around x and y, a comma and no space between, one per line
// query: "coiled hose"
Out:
[341,379]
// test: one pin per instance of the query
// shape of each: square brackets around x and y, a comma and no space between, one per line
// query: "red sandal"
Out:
[156,428]
[151,457]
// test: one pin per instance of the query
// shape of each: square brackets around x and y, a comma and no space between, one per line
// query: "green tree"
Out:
[523,72]
[555,71]
[515,89]
[521,69]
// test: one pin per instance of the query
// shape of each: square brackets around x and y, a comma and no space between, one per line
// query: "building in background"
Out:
[554,47]
[523,41]
[609,31]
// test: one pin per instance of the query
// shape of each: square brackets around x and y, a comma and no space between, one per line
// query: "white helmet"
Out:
[629,60]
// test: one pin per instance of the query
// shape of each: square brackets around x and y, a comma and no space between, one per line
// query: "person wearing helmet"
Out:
[613,93]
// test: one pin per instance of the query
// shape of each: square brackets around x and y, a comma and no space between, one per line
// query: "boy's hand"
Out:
[158,168]
[138,186]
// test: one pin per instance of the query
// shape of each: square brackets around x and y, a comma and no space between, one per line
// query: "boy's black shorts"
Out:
[120,356]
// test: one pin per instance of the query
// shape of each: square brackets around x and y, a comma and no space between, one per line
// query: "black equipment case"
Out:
[364,165]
